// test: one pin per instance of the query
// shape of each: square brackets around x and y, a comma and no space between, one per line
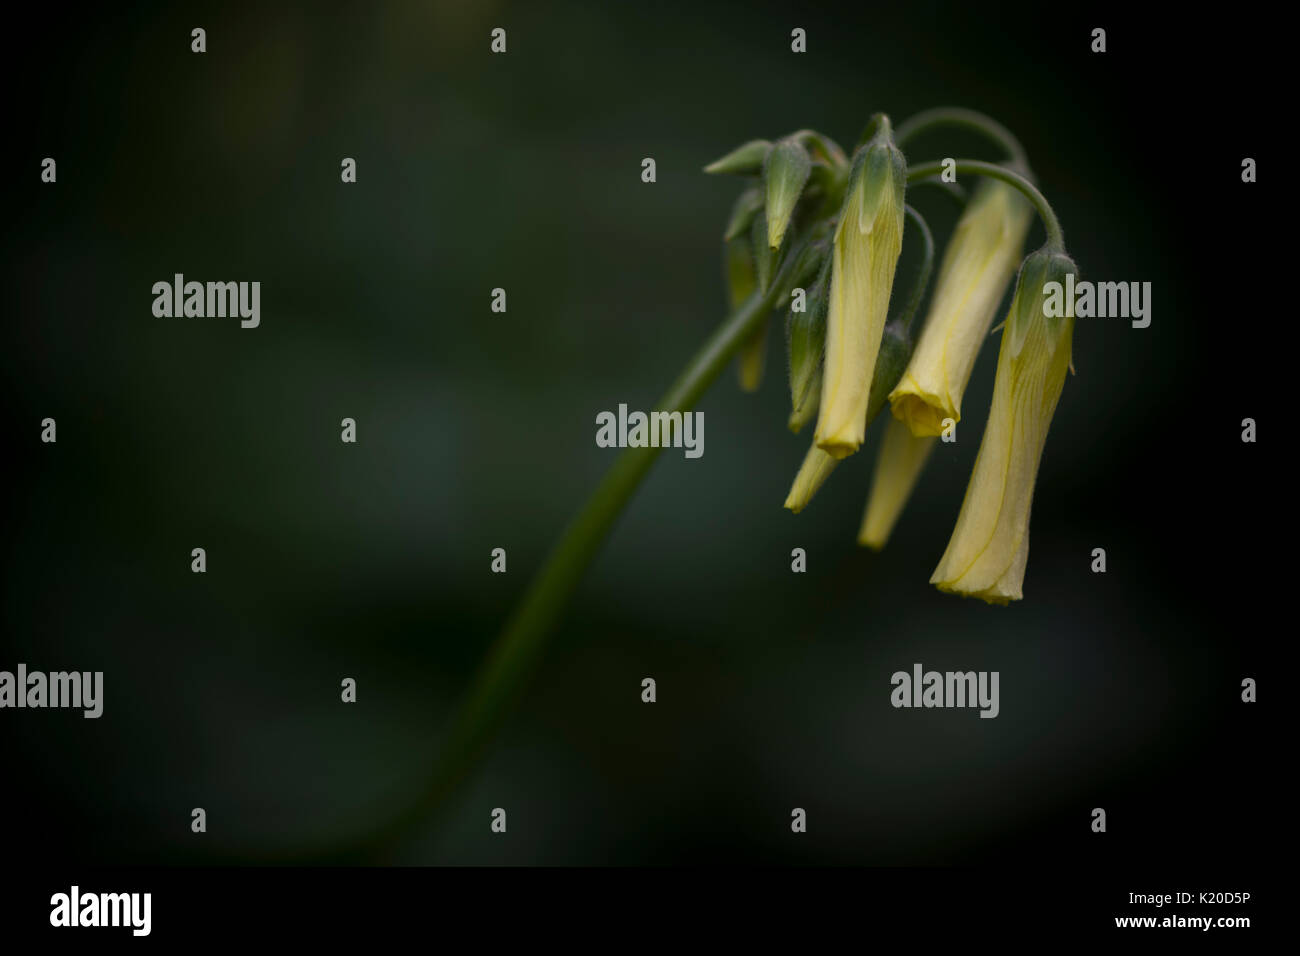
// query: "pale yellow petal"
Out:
[901,459]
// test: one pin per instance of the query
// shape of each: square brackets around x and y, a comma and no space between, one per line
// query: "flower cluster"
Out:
[834,223]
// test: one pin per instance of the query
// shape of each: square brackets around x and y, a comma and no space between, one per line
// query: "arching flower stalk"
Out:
[813,216]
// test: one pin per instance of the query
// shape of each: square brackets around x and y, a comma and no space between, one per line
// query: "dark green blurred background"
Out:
[476,431]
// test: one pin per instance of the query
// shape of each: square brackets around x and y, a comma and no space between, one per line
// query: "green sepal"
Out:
[746,207]
[1029,301]
[744,160]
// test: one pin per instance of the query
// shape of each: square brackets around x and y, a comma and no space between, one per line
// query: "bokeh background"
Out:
[476,431]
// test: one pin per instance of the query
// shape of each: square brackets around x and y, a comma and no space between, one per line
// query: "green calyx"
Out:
[1035,297]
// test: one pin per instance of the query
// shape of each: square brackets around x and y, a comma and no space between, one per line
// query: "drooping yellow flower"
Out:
[895,348]
[868,240]
[986,555]
[902,456]
[979,262]
[816,468]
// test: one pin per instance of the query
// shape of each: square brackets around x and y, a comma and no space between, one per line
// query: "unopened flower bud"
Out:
[785,173]
[806,345]
[895,351]
[867,244]
[752,359]
[763,254]
[742,280]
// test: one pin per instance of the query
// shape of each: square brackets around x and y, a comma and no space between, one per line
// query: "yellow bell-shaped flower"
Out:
[816,468]
[901,459]
[989,547]
[977,266]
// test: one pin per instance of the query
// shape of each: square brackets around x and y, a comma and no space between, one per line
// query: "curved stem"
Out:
[951,190]
[524,637]
[832,150]
[922,274]
[953,116]
[976,167]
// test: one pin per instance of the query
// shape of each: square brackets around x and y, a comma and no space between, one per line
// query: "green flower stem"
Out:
[520,645]
[832,149]
[951,190]
[964,119]
[923,273]
[976,167]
